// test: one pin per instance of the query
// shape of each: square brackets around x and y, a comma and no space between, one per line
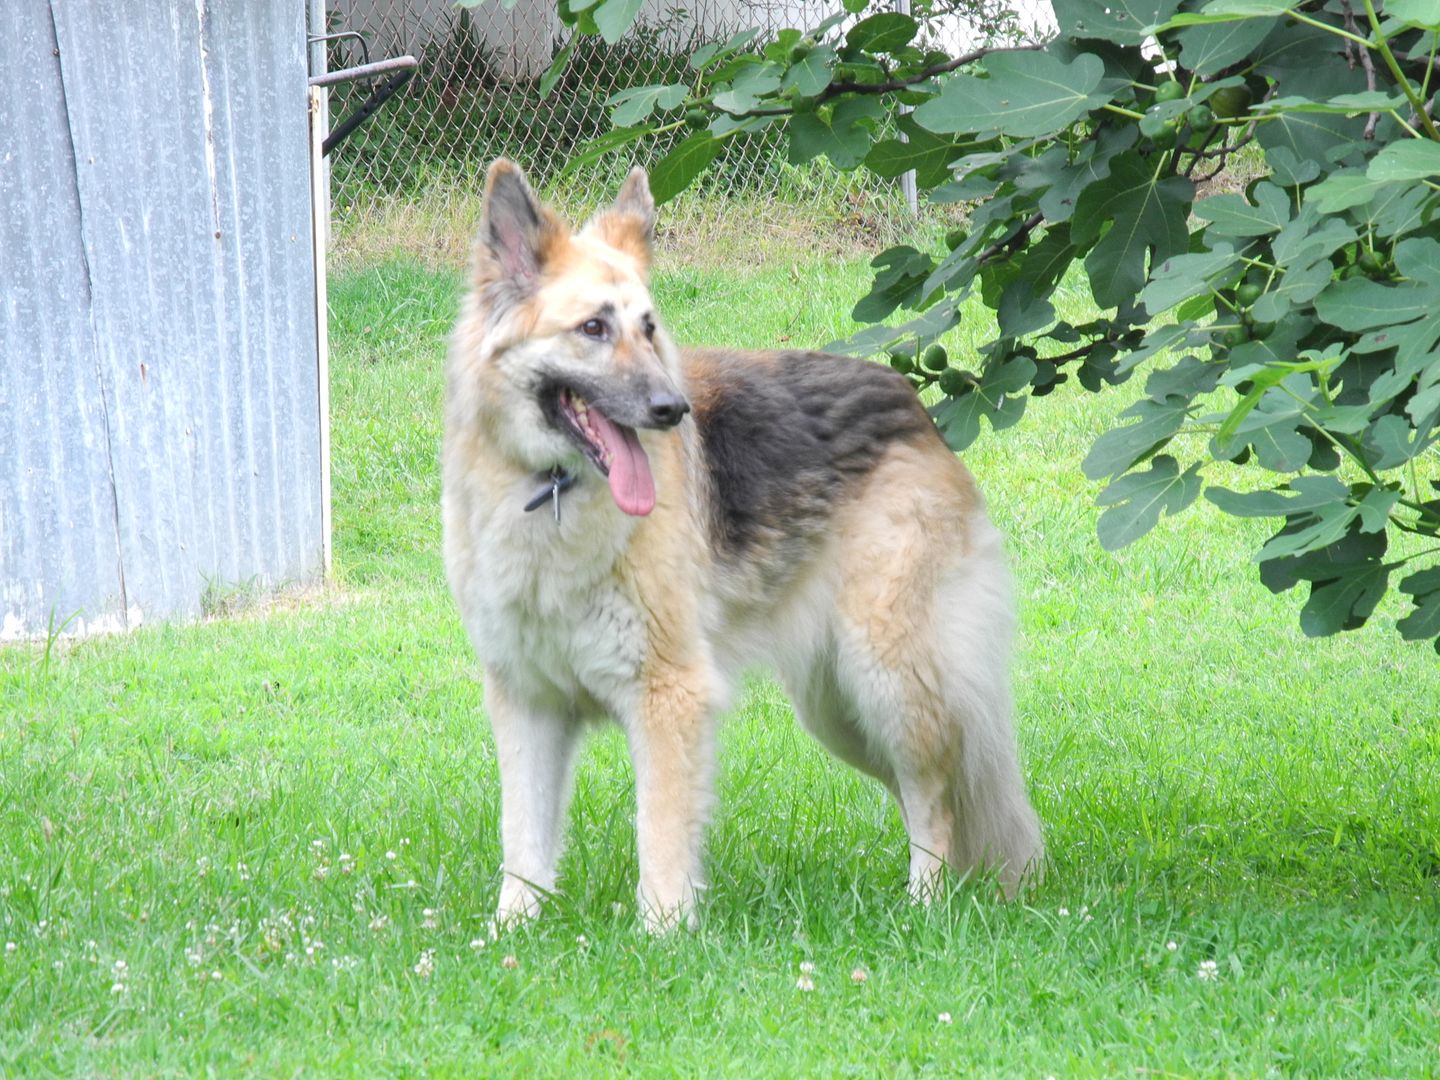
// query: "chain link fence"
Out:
[476,95]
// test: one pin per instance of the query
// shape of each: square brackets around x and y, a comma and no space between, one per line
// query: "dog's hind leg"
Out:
[898,734]
[924,621]
[536,749]
[842,712]
[940,717]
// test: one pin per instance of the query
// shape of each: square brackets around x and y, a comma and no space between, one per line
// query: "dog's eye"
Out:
[648,325]
[593,328]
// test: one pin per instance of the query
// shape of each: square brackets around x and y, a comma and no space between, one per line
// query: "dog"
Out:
[629,526]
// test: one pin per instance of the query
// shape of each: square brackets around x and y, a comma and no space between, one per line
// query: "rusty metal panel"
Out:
[188,129]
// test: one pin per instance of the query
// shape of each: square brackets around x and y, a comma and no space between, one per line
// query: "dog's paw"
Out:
[672,910]
[662,921]
[519,903]
[926,889]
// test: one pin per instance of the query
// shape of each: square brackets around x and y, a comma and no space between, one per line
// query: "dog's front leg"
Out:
[535,747]
[672,745]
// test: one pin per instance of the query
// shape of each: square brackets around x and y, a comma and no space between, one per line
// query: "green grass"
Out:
[1214,787]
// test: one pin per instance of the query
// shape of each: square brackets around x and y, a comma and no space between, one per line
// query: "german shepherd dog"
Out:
[629,526]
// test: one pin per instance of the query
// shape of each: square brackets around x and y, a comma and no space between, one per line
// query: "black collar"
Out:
[553,484]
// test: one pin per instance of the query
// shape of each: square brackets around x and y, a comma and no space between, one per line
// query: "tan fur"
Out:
[625,233]
[890,626]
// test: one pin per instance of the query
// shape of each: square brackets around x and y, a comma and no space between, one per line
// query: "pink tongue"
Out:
[631,484]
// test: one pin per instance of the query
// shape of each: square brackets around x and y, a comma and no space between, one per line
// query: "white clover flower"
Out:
[1171,946]
[425,966]
[859,976]
[391,856]
[430,920]
[1209,971]
[944,1018]
[805,984]
[476,944]
[510,963]
[243,871]
[807,967]
[379,922]
[272,933]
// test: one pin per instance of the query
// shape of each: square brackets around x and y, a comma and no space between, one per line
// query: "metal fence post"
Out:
[907,179]
[319,64]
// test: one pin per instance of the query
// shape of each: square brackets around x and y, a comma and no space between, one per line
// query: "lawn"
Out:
[267,843]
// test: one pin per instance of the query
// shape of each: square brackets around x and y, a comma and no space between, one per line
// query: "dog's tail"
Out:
[995,829]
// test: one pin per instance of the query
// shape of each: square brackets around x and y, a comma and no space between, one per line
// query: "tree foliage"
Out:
[1293,324]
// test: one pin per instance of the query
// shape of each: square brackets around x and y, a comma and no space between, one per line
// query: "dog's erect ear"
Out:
[635,199]
[629,225]
[517,234]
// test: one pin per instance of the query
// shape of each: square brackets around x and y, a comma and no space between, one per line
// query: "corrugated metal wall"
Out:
[160,431]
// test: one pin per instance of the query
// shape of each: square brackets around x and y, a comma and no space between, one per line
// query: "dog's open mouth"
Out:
[613,449]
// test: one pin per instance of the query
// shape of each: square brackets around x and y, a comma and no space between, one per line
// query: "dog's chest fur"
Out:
[544,602]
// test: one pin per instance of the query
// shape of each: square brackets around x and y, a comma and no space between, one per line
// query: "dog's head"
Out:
[561,338]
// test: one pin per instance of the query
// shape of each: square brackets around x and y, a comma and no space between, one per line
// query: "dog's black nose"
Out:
[667,410]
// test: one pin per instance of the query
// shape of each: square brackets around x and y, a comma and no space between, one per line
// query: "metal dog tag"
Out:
[559,481]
